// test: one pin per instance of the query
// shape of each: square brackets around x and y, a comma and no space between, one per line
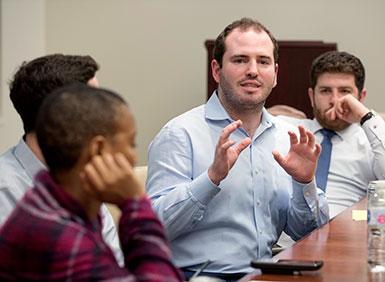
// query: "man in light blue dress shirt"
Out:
[18,166]
[227,178]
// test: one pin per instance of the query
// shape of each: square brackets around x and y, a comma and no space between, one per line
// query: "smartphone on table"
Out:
[287,266]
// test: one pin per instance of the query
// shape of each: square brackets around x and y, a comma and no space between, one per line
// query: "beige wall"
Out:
[152,51]
[22,36]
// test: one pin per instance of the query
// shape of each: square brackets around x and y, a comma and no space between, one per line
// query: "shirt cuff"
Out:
[305,191]
[203,189]
[375,129]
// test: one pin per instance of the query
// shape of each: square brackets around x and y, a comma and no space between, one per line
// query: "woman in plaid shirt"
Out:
[87,137]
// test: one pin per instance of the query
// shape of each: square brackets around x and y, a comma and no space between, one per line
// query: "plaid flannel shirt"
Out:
[49,237]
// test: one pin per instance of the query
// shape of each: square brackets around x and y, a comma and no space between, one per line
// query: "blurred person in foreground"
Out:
[87,138]
[31,84]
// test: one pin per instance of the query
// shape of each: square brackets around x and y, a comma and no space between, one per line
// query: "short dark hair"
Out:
[70,117]
[338,62]
[243,24]
[36,79]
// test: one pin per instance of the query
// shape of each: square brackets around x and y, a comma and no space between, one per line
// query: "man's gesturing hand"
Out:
[301,161]
[226,154]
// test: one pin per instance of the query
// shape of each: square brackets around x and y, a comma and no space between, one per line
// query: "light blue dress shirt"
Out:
[240,219]
[18,167]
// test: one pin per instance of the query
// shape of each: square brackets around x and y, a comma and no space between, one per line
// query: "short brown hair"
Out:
[243,24]
[338,62]
[36,79]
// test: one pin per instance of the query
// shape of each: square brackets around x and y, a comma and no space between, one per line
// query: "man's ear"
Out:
[215,69]
[97,146]
[362,96]
[276,75]
[310,92]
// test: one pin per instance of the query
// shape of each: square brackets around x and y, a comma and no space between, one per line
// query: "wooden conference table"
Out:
[341,244]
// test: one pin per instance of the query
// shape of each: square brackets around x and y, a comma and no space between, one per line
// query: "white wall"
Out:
[152,51]
[22,37]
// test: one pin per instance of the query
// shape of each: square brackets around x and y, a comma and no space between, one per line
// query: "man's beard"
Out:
[335,125]
[235,101]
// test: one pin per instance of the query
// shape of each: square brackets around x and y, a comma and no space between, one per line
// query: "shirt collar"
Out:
[344,134]
[316,126]
[27,159]
[267,119]
[215,111]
